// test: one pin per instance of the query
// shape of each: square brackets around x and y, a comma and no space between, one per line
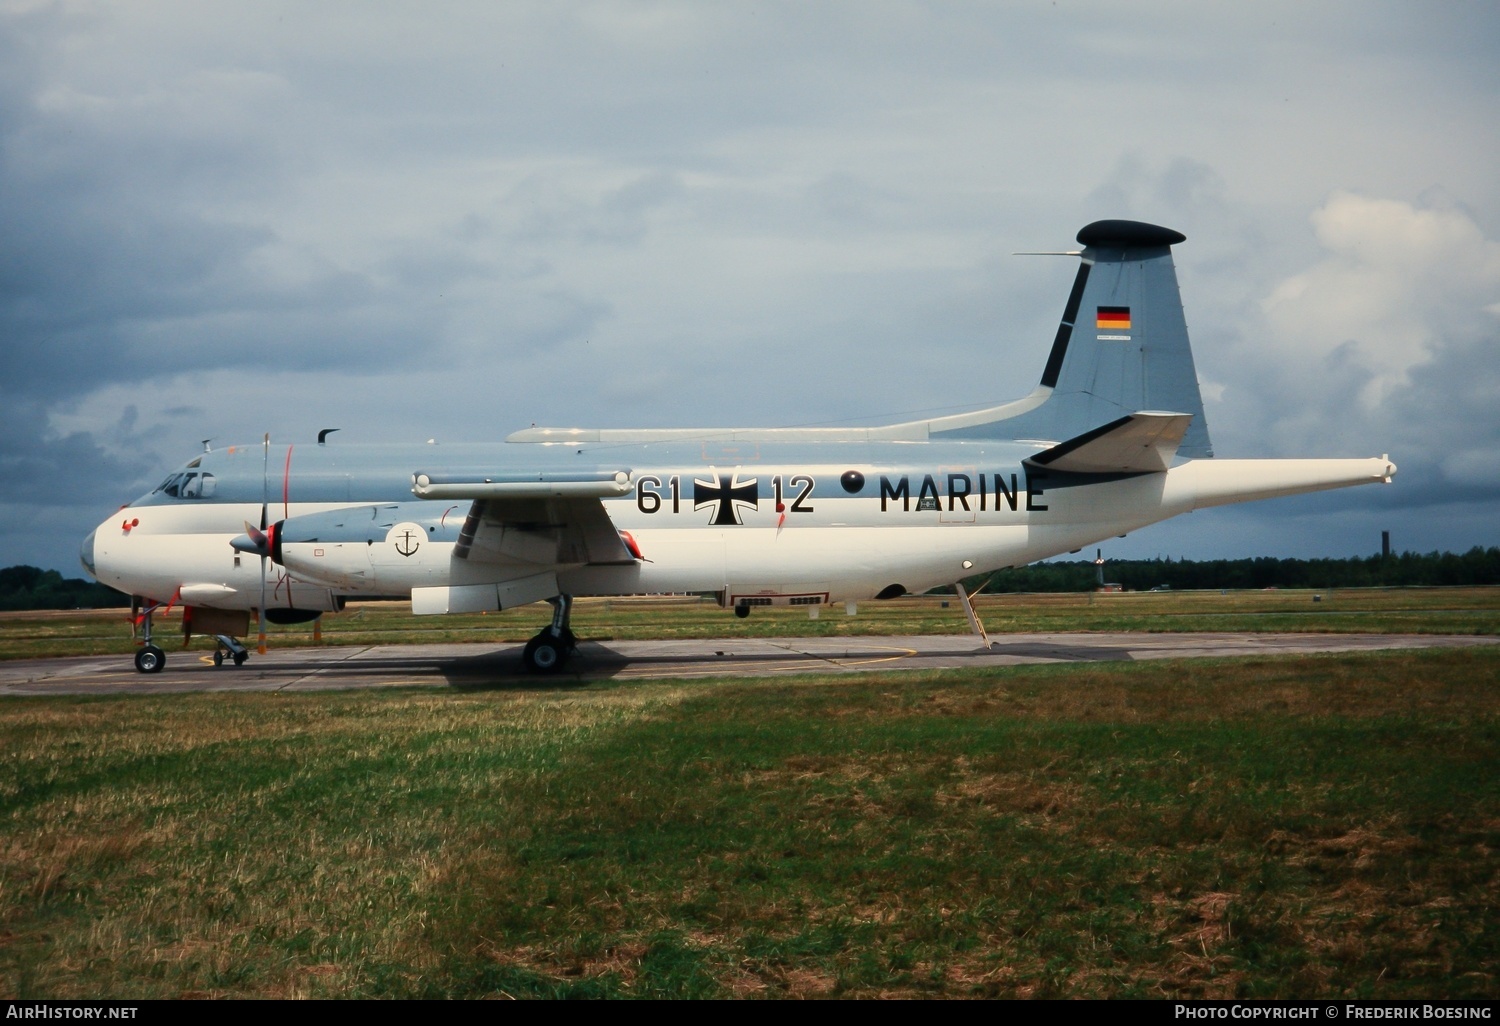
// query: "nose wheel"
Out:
[150,659]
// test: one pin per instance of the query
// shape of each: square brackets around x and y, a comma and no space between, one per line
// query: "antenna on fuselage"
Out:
[206,446]
[323,435]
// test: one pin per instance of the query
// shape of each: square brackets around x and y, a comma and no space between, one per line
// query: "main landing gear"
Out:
[549,650]
[149,658]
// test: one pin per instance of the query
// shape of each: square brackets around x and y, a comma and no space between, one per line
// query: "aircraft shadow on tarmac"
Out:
[502,668]
[598,661]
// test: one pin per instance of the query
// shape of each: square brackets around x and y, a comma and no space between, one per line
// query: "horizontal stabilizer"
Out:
[1142,443]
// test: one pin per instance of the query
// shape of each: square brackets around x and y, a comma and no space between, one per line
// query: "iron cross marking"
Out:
[729,493]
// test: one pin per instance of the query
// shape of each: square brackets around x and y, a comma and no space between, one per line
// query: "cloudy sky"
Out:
[453,220]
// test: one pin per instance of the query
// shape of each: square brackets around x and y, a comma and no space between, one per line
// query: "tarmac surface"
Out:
[483,665]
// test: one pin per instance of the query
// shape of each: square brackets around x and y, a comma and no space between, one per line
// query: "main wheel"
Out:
[150,659]
[544,654]
[218,657]
[240,657]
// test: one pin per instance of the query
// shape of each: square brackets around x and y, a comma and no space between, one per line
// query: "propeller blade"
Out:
[265,488]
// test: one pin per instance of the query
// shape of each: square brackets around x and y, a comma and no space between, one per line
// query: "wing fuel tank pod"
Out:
[590,484]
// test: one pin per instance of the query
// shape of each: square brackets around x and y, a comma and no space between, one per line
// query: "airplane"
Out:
[1112,439]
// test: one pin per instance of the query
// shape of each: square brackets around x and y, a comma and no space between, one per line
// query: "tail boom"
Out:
[1199,484]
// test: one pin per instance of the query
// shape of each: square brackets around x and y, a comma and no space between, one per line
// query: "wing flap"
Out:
[478,598]
[1141,443]
[544,531]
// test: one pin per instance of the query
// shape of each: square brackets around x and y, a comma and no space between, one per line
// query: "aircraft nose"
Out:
[86,554]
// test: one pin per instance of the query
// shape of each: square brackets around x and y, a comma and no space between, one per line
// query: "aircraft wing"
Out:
[1142,443]
[534,517]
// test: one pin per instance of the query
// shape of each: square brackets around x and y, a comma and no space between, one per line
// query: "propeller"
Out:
[257,542]
[263,541]
[261,536]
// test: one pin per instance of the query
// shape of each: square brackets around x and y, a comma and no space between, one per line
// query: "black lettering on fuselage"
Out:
[961,492]
[1009,493]
[959,487]
[647,500]
[901,490]
[1034,491]
[799,504]
[927,498]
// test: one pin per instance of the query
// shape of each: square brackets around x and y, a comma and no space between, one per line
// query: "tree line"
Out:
[1478,566]
[27,587]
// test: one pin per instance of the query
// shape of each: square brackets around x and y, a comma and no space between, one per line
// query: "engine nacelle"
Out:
[385,549]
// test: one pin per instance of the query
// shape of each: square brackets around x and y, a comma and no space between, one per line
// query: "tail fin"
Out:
[1122,349]
[1122,346]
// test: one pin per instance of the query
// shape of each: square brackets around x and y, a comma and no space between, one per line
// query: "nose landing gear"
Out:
[148,658]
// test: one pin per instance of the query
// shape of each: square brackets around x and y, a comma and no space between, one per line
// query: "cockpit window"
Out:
[188,485]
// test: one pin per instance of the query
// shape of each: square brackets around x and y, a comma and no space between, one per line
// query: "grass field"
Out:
[1320,826]
[1363,610]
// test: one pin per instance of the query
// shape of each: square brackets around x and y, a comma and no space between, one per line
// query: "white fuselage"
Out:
[762,534]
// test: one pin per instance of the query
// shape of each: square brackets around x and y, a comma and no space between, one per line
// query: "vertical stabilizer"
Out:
[1122,346]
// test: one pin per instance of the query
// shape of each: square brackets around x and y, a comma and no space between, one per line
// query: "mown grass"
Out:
[1313,826]
[1371,610]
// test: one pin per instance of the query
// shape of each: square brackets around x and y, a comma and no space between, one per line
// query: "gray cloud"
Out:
[410,223]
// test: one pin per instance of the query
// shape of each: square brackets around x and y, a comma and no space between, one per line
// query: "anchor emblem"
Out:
[405,545]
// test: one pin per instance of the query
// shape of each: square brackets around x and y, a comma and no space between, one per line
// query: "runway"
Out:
[478,666]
